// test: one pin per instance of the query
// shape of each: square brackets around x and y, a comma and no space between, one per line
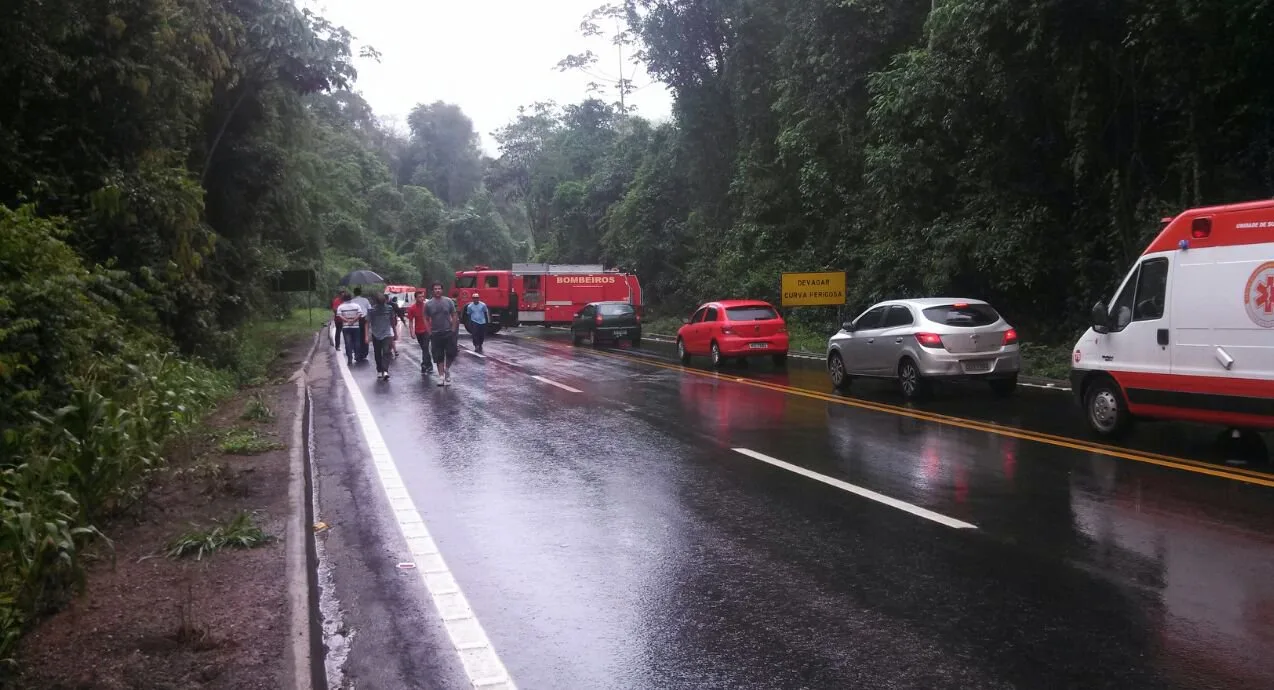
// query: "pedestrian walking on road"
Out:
[444,321]
[478,315]
[350,315]
[341,298]
[382,330]
[420,326]
[362,325]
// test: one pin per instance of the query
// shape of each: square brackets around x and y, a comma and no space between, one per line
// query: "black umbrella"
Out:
[361,277]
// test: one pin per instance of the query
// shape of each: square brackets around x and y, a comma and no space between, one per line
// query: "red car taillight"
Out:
[1010,337]
[929,340]
[598,319]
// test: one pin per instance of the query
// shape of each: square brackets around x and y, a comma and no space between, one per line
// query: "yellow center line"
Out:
[1234,474]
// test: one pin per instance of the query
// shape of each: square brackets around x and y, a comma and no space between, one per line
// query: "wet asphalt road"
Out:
[614,538]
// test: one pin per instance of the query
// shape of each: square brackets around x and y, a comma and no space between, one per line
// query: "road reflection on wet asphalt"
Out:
[618,538]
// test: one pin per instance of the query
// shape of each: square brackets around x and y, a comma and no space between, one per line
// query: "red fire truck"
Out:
[544,294]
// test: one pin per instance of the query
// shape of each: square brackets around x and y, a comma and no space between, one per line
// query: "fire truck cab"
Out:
[1189,334]
[544,294]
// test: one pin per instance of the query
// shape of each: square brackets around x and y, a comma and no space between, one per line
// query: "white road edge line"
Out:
[865,493]
[475,354]
[477,654]
[551,382]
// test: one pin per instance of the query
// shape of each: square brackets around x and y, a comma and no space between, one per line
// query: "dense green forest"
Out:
[162,160]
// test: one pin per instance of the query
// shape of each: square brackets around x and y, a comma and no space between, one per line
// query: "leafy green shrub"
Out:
[240,533]
[88,398]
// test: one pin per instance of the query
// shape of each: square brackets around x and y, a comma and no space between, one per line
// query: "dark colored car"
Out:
[607,322]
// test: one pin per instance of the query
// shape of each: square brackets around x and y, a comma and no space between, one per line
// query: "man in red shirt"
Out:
[341,298]
[420,326]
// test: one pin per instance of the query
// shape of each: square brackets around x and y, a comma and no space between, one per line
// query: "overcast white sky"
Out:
[487,56]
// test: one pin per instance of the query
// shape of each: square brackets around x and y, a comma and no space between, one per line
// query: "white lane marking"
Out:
[865,493]
[475,354]
[477,654]
[551,382]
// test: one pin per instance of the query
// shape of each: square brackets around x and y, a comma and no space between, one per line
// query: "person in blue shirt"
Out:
[478,315]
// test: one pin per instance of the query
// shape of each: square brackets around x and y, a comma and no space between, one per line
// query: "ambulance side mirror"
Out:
[1099,318]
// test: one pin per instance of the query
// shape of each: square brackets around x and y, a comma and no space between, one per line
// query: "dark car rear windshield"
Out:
[966,315]
[614,309]
[750,313]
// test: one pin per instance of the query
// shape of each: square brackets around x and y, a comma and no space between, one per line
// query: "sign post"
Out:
[303,280]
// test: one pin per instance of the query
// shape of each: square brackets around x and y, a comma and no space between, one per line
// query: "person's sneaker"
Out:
[387,376]
[447,379]
[442,382]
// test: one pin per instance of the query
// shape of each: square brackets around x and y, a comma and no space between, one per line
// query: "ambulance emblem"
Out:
[1258,297]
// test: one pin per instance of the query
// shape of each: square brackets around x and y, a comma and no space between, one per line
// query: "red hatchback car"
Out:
[733,328]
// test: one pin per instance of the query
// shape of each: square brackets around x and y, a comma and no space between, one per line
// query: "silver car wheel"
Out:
[837,370]
[909,378]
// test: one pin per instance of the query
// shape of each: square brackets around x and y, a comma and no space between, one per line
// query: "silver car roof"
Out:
[926,302]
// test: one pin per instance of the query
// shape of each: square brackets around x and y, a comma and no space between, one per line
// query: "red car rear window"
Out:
[751,313]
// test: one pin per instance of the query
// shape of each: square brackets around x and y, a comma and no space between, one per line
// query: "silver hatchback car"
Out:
[920,340]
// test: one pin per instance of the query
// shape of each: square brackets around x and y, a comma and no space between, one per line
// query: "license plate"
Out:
[977,366]
[620,332]
[758,346]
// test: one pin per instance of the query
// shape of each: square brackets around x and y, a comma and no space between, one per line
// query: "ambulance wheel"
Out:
[681,352]
[1105,408]
[717,358]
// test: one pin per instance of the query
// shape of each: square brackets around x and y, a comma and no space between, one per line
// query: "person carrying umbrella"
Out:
[350,316]
[362,324]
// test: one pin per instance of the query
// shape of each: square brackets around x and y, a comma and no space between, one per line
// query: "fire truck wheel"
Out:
[681,352]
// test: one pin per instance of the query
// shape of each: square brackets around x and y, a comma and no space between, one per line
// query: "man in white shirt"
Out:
[352,316]
[362,324]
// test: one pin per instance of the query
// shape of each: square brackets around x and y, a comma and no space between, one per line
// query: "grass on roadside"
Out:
[257,410]
[247,442]
[263,341]
[802,339]
[1039,360]
[240,533]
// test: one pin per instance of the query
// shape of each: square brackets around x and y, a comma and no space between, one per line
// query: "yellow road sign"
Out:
[814,289]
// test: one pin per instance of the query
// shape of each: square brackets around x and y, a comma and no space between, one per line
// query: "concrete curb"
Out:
[305,649]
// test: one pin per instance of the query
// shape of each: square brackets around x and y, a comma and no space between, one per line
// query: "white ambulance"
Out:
[1189,335]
